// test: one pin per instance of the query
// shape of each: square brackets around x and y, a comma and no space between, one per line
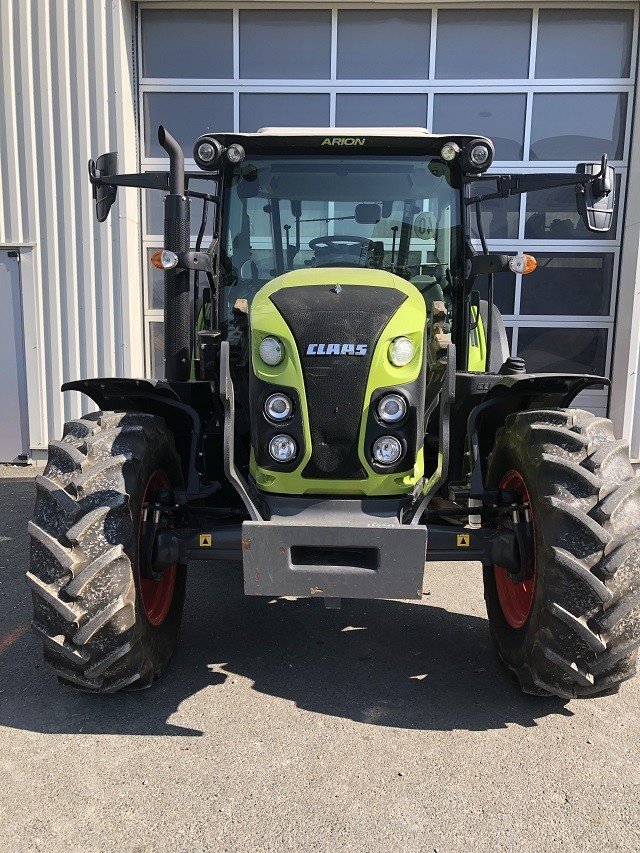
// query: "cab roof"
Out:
[343,140]
[345,131]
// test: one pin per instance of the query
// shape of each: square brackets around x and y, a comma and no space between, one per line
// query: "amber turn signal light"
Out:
[523,264]
[156,259]
[163,259]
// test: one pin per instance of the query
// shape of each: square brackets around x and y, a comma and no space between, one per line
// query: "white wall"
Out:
[67,94]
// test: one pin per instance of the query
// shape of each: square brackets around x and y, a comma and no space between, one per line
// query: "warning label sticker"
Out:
[463,540]
[206,540]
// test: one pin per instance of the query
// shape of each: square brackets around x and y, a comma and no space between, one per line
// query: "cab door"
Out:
[14,433]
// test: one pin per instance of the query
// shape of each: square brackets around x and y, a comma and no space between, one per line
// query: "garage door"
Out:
[552,87]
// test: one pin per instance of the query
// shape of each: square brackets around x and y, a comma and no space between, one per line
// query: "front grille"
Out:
[335,385]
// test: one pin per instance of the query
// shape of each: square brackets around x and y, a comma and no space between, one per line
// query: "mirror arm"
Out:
[509,185]
[143,180]
[147,181]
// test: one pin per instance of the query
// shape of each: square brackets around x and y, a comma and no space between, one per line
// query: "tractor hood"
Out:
[335,326]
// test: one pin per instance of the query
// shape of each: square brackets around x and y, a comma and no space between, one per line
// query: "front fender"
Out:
[164,399]
[509,394]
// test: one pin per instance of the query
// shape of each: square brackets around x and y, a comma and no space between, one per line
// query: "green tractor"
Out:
[339,405]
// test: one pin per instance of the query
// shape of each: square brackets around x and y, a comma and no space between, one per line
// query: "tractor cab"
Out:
[290,207]
[305,199]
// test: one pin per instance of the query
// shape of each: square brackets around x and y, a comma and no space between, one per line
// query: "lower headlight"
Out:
[392,408]
[282,448]
[278,407]
[387,450]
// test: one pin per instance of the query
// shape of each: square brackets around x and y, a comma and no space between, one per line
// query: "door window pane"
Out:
[186,43]
[569,283]
[383,44]
[562,350]
[504,291]
[186,115]
[381,110]
[282,110]
[154,204]
[155,283]
[578,126]
[483,44]
[552,215]
[287,43]
[156,339]
[500,117]
[500,216]
[584,43]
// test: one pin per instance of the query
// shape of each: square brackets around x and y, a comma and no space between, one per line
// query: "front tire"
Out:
[103,626]
[574,628]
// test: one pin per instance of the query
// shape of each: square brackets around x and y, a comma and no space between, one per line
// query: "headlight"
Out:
[479,155]
[387,450]
[282,448]
[401,351]
[271,351]
[206,152]
[392,408]
[449,151]
[235,153]
[278,407]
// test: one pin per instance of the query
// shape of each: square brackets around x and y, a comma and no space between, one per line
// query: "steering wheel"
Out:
[337,242]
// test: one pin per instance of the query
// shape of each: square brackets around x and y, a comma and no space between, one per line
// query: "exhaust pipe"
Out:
[177,332]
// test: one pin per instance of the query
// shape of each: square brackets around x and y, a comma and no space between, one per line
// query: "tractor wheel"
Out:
[573,628]
[103,626]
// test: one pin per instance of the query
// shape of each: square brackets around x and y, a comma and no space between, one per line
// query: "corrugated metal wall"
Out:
[67,94]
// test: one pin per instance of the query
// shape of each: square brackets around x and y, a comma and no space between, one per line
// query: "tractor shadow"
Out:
[382,663]
[385,663]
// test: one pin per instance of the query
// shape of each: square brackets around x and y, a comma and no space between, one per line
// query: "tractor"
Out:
[339,406]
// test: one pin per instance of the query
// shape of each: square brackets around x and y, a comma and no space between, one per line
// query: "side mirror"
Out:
[104,194]
[597,199]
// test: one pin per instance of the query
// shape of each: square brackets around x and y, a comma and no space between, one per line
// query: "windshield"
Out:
[391,213]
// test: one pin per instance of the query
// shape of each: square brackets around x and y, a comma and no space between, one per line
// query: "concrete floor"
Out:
[282,726]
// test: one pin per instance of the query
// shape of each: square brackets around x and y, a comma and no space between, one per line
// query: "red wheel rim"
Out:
[157,595]
[516,599]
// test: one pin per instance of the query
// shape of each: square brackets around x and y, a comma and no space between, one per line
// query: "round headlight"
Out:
[278,407]
[235,153]
[271,351]
[449,151]
[387,450]
[401,351]
[206,152]
[282,448]
[392,408]
[479,155]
